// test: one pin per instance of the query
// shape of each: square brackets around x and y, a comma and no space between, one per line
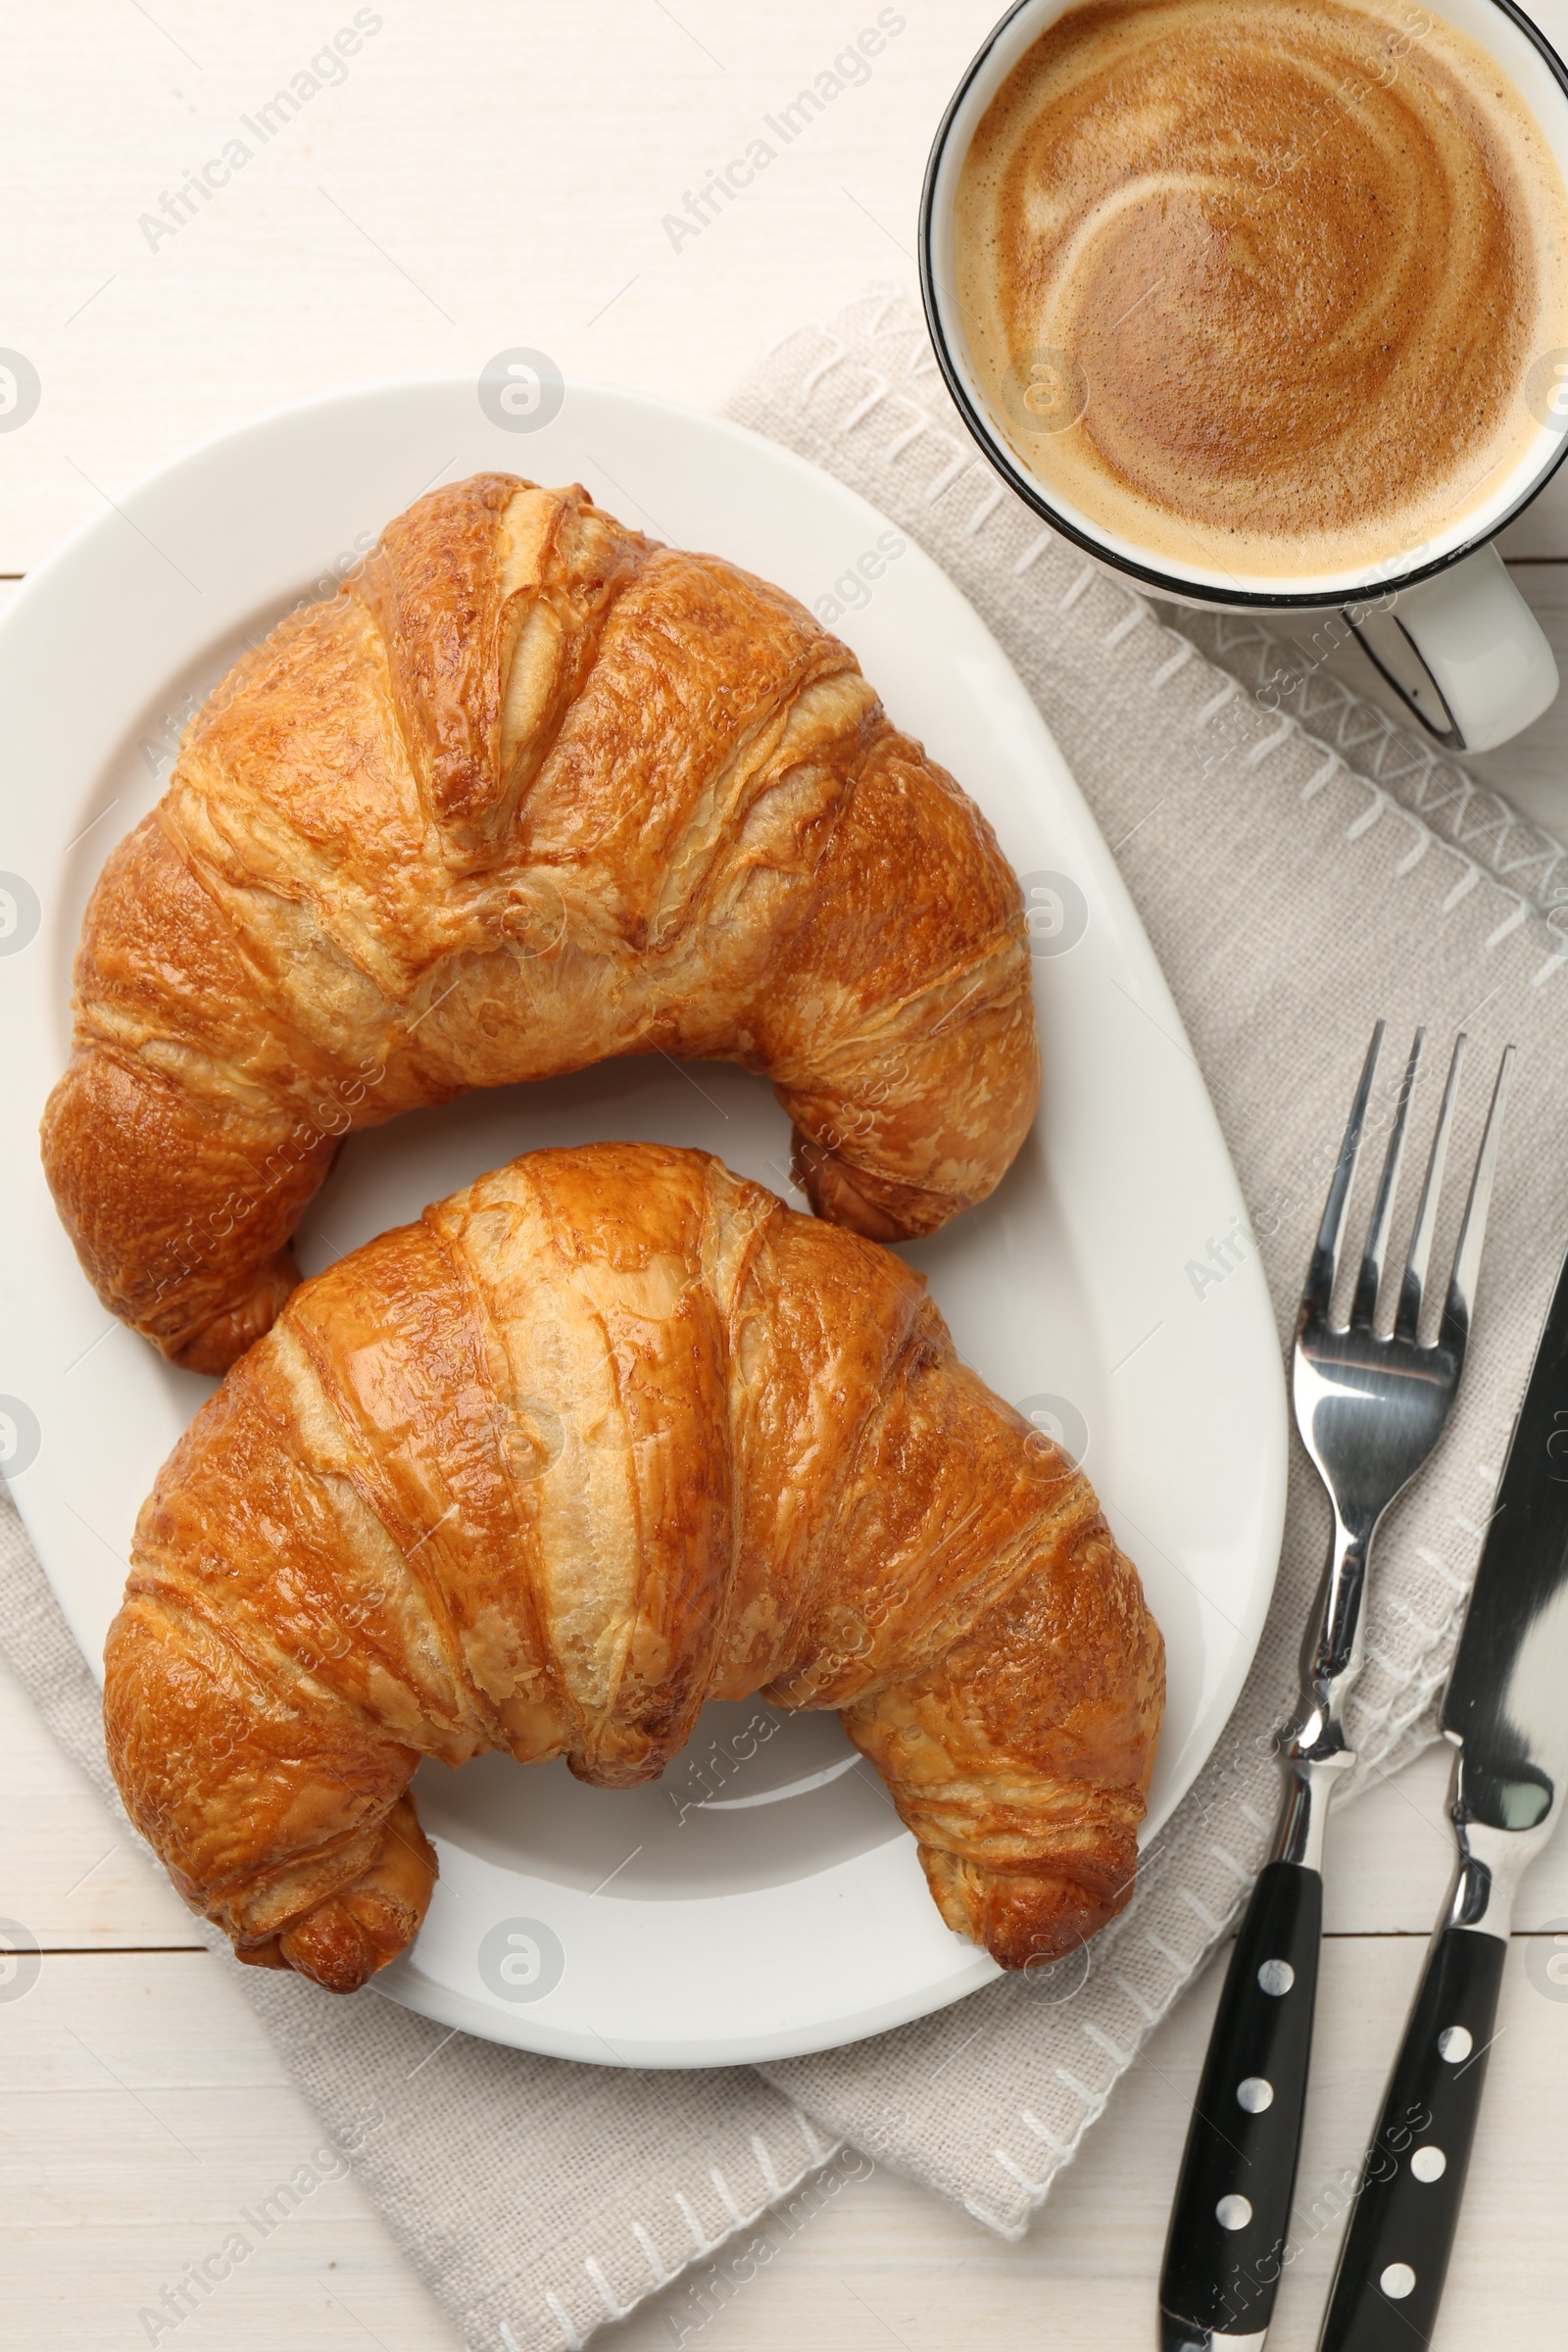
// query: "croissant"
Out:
[606,1436]
[529,791]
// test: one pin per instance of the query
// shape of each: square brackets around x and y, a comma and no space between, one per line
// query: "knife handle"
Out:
[1229,2226]
[1396,2252]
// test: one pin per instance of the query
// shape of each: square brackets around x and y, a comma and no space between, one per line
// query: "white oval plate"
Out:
[761,1900]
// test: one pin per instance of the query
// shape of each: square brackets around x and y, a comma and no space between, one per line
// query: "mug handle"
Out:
[1463,652]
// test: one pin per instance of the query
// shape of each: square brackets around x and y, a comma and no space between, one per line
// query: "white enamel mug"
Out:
[1442,621]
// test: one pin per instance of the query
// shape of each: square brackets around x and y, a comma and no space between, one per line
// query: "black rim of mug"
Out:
[1026,487]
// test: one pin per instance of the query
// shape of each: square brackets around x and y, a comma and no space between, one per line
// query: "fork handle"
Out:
[1229,2226]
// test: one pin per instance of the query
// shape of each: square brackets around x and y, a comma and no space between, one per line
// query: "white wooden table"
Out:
[477,177]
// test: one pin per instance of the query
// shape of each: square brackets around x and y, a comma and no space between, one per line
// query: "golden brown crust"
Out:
[531,791]
[608,1435]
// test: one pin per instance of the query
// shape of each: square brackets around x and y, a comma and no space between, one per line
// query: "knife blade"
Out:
[1506,1713]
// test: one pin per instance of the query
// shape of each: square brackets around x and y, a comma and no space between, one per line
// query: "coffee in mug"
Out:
[1253,285]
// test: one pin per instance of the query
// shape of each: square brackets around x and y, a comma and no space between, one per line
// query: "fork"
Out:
[1370,1406]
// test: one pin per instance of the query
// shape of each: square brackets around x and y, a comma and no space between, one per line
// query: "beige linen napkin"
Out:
[1300,867]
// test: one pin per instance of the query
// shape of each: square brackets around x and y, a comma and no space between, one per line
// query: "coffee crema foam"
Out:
[1255,284]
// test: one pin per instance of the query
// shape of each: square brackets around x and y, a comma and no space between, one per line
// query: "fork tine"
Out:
[1319,1286]
[1412,1289]
[1364,1307]
[1473,1232]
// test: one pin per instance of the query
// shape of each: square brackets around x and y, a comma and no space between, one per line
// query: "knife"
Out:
[1507,1712]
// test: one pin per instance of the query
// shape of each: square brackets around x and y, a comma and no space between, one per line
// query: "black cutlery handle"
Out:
[1395,2258]
[1230,2223]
